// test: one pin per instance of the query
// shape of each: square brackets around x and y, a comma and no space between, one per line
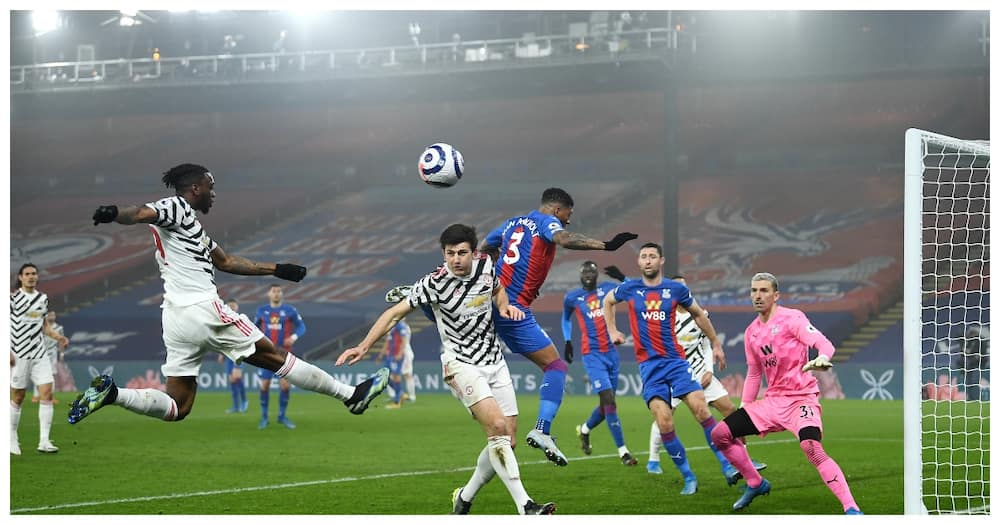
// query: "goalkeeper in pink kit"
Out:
[777,344]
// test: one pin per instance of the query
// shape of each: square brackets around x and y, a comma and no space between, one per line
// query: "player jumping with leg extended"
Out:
[195,319]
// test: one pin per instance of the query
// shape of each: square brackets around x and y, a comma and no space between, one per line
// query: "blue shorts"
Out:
[395,365]
[265,374]
[230,366]
[602,370]
[522,337]
[666,378]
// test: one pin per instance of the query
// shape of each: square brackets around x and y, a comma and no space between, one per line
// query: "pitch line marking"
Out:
[349,479]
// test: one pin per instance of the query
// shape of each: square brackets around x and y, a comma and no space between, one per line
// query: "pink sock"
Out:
[830,471]
[736,452]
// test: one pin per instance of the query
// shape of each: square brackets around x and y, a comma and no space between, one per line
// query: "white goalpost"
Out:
[946,448]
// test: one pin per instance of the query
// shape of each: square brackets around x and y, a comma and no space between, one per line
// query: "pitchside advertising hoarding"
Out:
[852,381]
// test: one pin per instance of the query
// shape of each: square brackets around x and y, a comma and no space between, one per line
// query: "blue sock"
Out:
[596,417]
[265,399]
[242,388]
[551,392]
[707,426]
[283,402]
[675,449]
[234,389]
[397,389]
[614,425]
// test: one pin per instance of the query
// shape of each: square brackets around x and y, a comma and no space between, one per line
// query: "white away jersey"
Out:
[463,308]
[697,349]
[27,314]
[182,252]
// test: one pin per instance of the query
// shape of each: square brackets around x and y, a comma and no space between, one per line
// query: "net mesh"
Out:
[955,326]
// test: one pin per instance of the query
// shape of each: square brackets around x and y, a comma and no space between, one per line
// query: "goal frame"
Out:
[912,308]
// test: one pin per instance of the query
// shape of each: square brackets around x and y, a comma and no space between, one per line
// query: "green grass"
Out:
[408,461]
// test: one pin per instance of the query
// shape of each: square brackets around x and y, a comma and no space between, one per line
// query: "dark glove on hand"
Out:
[568,352]
[289,272]
[614,273]
[619,240]
[105,214]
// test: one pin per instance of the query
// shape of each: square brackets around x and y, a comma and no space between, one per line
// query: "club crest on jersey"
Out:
[774,330]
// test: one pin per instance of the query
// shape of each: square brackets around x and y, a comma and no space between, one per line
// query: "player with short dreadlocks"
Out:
[195,319]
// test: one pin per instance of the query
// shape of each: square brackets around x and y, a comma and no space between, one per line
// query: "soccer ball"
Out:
[441,165]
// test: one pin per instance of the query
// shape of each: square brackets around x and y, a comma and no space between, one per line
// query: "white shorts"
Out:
[190,331]
[713,391]
[473,383]
[407,362]
[39,371]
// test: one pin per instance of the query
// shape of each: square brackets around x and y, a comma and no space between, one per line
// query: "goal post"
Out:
[946,294]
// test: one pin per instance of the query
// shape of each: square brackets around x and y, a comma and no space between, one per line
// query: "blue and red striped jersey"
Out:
[279,323]
[526,254]
[587,307]
[398,337]
[651,314]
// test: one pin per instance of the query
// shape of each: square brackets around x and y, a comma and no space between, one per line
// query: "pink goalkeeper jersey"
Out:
[779,348]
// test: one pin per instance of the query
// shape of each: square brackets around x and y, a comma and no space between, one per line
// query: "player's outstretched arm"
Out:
[237,265]
[615,273]
[130,215]
[382,325]
[579,241]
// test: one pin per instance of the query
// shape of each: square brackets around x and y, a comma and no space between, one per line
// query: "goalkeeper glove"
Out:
[289,272]
[820,363]
[568,352]
[619,240]
[614,273]
[105,214]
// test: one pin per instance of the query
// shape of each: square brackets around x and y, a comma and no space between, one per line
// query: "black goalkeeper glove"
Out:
[289,272]
[619,240]
[614,273]
[105,214]
[568,352]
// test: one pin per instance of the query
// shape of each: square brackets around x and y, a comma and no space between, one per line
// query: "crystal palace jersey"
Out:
[463,307]
[182,253]
[587,307]
[526,254]
[399,340]
[27,315]
[651,314]
[279,322]
[780,347]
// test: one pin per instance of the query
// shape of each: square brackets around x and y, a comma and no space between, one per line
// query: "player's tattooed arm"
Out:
[492,251]
[239,265]
[136,215]
[576,241]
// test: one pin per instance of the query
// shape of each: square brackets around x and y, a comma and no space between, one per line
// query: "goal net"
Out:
[946,325]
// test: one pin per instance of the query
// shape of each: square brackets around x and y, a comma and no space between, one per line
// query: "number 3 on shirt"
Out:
[513,254]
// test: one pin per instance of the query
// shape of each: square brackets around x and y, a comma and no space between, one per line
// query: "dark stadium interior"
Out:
[779,129]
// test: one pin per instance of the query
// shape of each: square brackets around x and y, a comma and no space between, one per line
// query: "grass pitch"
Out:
[408,461]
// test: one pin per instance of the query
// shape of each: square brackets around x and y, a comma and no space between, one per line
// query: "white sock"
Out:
[481,476]
[148,402]
[410,388]
[622,450]
[505,464]
[311,377]
[655,442]
[44,421]
[15,420]
[584,429]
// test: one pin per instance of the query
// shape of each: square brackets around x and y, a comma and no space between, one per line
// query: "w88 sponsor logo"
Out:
[658,315]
